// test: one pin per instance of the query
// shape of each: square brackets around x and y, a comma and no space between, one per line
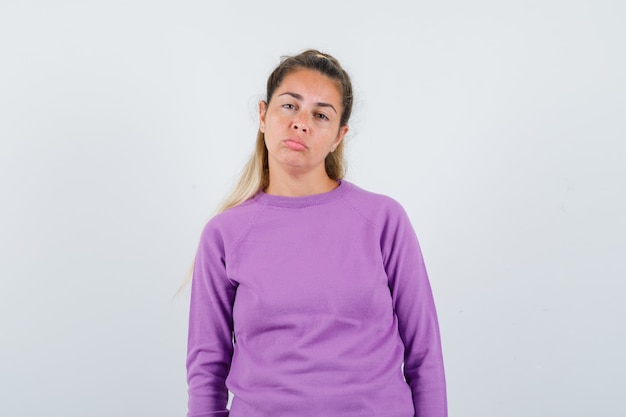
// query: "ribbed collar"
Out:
[305,201]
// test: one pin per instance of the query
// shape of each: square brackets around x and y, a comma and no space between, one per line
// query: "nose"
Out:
[299,123]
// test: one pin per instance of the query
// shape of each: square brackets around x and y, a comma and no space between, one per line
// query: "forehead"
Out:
[311,84]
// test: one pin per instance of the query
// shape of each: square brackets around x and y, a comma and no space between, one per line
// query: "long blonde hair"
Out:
[255,174]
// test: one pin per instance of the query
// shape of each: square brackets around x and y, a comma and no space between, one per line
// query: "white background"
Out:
[499,125]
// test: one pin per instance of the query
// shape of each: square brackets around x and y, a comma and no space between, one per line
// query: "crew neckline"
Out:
[304,201]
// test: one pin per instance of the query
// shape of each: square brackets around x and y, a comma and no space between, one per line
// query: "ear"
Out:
[262,111]
[343,130]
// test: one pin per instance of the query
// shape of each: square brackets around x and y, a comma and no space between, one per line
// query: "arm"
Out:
[210,347]
[417,318]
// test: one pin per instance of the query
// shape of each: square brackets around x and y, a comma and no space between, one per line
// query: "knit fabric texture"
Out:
[313,306]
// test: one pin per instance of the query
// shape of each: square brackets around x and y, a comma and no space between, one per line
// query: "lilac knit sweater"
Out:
[309,307]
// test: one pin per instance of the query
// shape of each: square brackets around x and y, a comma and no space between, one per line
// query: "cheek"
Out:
[273,122]
[271,138]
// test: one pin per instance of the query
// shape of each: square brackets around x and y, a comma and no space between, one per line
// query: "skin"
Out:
[301,126]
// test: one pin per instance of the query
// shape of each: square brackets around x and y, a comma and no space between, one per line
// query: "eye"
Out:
[289,106]
[321,116]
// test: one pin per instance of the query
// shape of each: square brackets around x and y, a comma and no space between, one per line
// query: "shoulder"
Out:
[230,225]
[374,207]
[391,222]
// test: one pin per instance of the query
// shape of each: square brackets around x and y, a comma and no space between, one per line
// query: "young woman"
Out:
[309,295]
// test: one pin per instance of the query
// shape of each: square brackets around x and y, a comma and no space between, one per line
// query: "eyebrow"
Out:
[299,97]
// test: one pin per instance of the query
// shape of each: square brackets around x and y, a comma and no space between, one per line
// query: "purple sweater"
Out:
[310,306]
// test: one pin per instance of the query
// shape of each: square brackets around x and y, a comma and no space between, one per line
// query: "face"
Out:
[301,123]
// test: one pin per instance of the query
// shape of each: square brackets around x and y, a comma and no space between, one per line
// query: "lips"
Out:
[295,144]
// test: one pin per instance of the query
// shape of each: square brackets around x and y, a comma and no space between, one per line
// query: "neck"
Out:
[299,186]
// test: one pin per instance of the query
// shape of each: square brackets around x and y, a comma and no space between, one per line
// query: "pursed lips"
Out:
[295,144]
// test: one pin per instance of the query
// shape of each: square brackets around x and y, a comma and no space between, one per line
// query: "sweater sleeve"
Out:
[417,318]
[210,347]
